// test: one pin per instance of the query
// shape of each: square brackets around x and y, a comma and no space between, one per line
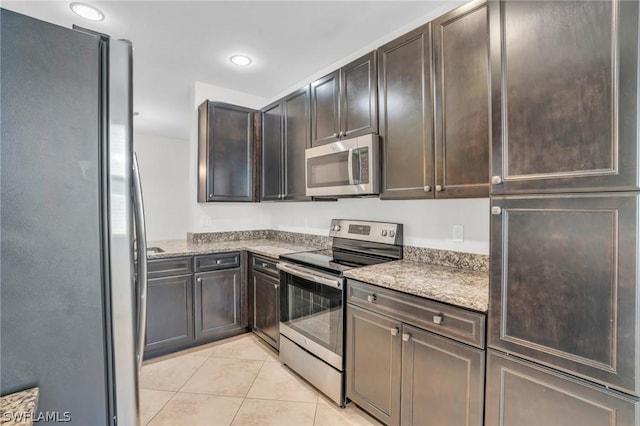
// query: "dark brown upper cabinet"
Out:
[225,152]
[406,116]
[462,135]
[564,96]
[272,167]
[285,136]
[344,103]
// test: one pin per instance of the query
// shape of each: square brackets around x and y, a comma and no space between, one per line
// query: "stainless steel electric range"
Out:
[312,288]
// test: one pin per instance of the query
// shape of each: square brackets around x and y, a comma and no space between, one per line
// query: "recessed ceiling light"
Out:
[240,60]
[87,11]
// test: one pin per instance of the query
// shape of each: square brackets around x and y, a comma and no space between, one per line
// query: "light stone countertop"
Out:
[460,287]
[269,248]
[17,409]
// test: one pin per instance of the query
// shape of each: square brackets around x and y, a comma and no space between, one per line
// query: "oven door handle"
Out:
[335,283]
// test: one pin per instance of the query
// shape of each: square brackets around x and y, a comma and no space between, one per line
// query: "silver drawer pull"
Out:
[199,280]
[437,319]
[496,211]
[264,265]
[406,337]
[372,298]
[394,331]
[496,180]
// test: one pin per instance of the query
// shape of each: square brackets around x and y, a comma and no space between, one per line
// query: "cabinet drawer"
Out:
[169,267]
[262,264]
[212,262]
[455,323]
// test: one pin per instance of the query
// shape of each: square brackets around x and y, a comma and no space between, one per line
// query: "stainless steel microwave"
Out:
[343,168]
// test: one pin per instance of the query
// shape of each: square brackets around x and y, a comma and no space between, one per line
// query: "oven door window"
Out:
[328,170]
[313,310]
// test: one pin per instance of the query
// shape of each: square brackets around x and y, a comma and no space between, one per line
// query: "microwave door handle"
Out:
[350,167]
[354,174]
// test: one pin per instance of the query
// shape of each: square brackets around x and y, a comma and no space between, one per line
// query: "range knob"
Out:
[384,232]
[336,228]
[392,233]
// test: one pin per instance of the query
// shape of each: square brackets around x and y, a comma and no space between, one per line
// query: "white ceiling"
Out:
[179,42]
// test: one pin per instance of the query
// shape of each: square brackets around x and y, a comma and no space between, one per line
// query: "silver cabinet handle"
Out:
[496,211]
[427,188]
[406,337]
[496,180]
[372,298]
[264,265]
[439,188]
[335,135]
[394,331]
[437,319]
[219,262]
[199,280]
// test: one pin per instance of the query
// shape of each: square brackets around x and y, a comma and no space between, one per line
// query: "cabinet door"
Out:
[564,95]
[325,123]
[169,313]
[406,121]
[359,97]
[225,152]
[373,363]
[271,185]
[461,63]
[564,284]
[266,302]
[442,380]
[520,393]
[218,297]
[296,140]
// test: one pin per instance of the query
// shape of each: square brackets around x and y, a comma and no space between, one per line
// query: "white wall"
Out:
[427,223]
[164,172]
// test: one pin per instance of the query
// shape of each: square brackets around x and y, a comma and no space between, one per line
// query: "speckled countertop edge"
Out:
[459,287]
[17,409]
[269,248]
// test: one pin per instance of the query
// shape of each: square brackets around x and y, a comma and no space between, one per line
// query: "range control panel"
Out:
[381,232]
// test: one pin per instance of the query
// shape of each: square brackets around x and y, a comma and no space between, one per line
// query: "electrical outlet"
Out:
[458,233]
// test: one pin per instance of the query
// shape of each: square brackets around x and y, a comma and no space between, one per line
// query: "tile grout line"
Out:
[248,390]
[161,408]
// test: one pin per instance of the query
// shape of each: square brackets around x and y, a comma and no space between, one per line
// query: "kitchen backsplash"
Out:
[270,234]
[471,261]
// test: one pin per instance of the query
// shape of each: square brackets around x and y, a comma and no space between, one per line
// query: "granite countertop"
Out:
[460,287]
[17,409]
[269,248]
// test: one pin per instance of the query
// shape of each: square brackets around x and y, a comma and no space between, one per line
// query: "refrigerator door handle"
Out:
[141,245]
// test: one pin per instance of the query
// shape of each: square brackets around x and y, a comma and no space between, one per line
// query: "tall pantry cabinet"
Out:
[564,309]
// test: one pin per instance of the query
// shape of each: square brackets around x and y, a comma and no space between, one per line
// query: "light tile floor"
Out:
[237,381]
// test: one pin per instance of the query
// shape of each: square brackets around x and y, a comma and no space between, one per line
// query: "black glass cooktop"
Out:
[324,260]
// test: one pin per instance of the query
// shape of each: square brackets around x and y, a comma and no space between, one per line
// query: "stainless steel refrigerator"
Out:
[71,294]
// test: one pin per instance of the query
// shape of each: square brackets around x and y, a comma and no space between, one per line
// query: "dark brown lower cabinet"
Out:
[374,370]
[520,393]
[405,375]
[169,313]
[218,304]
[442,380]
[184,310]
[266,312]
